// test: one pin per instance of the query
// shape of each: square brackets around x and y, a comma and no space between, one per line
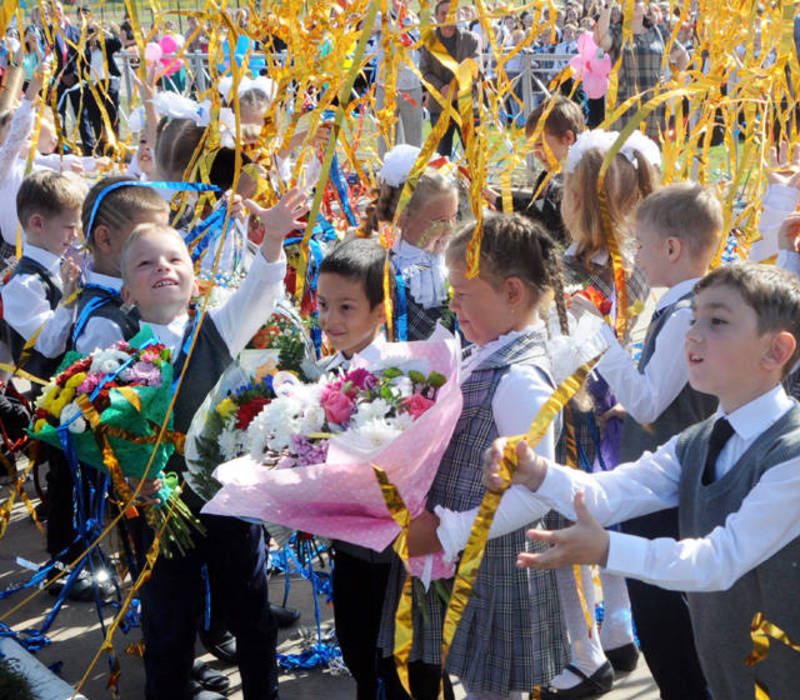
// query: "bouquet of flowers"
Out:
[281,350]
[397,413]
[117,398]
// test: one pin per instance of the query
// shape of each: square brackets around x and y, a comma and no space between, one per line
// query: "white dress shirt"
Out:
[26,309]
[646,395]
[779,201]
[245,311]
[12,168]
[769,517]
[370,354]
[99,332]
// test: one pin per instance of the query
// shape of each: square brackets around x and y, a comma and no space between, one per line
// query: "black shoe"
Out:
[284,617]
[624,658]
[82,588]
[598,683]
[209,678]
[198,692]
[222,647]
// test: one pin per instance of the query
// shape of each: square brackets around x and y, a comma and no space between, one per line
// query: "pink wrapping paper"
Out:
[341,499]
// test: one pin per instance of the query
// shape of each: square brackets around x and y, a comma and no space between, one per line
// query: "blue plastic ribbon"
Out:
[401,323]
[90,308]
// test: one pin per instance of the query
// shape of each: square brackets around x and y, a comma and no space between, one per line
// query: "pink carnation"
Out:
[416,405]
[88,385]
[338,407]
[361,379]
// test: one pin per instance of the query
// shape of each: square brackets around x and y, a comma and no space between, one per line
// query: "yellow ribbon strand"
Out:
[403,624]
[760,632]
[476,545]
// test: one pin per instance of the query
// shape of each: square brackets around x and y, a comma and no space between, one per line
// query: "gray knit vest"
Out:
[689,407]
[721,620]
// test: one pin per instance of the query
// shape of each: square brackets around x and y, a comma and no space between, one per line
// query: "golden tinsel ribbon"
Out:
[403,626]
[476,545]
[760,632]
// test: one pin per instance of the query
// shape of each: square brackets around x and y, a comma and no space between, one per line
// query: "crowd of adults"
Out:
[86,75]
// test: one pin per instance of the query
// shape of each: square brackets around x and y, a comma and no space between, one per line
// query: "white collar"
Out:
[171,334]
[481,352]
[674,294]
[599,258]
[752,419]
[50,261]
[102,280]
[412,254]
[370,354]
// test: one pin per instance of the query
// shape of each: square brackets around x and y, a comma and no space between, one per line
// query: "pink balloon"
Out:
[170,46]
[152,52]
[592,71]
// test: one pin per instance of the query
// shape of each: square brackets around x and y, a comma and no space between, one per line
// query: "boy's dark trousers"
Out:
[235,553]
[672,657]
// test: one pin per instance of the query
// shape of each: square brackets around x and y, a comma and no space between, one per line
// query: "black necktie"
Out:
[720,435]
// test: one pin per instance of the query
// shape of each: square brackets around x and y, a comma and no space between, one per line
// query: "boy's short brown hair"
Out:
[687,211]
[120,207]
[773,293]
[565,116]
[49,194]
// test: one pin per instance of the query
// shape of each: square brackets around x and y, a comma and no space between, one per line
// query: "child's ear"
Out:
[569,137]
[102,238]
[126,295]
[35,223]
[673,248]
[514,290]
[780,350]
[195,289]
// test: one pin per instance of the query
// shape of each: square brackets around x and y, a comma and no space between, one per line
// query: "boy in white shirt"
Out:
[158,277]
[734,478]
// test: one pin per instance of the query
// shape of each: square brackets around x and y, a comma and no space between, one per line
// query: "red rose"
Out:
[249,410]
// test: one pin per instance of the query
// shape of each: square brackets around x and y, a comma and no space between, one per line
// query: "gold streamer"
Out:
[760,632]
[403,630]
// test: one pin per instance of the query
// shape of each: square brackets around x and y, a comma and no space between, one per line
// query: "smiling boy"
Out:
[735,478]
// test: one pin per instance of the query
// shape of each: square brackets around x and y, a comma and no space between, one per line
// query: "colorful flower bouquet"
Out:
[117,398]
[280,350]
[310,451]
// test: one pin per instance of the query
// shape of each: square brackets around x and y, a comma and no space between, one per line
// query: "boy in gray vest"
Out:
[734,478]
[158,278]
[677,229]
[49,208]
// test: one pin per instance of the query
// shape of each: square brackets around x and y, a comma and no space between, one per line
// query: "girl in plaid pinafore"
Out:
[510,636]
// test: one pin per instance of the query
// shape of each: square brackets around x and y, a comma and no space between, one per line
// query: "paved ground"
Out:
[76,635]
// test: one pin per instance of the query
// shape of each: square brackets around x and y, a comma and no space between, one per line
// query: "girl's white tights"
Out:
[586,652]
[617,628]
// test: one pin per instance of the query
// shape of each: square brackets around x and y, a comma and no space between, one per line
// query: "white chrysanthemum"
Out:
[369,411]
[404,385]
[272,429]
[312,420]
[401,421]
[231,442]
[371,435]
[107,361]
[73,411]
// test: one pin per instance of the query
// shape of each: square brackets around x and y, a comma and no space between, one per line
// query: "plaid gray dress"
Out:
[510,637]
[640,70]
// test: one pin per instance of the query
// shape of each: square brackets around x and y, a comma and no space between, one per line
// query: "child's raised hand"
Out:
[422,537]
[530,471]
[236,204]
[782,170]
[789,233]
[70,276]
[35,85]
[585,542]
[279,220]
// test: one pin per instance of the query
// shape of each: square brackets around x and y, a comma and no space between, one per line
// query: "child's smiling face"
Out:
[345,314]
[159,276]
[482,308]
